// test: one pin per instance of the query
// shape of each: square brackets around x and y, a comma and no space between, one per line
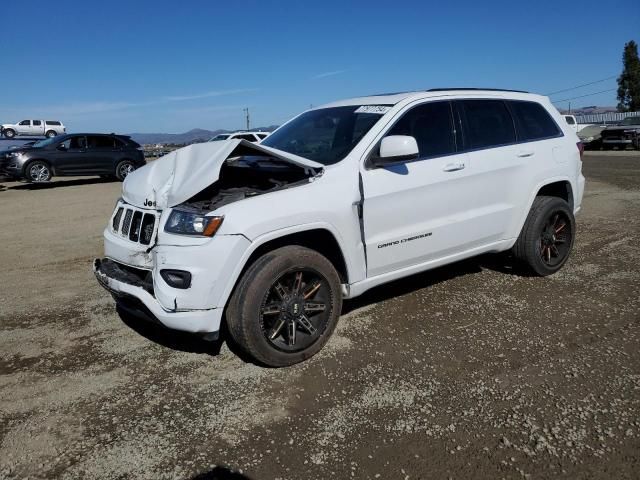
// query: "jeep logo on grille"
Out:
[149,203]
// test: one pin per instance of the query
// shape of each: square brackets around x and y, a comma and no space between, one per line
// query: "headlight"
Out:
[187,223]
[14,154]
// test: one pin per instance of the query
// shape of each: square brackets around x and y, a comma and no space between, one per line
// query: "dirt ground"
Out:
[469,371]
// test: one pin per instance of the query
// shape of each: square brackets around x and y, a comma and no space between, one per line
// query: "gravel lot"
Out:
[468,371]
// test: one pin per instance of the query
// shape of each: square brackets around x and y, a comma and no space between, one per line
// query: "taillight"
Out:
[580,146]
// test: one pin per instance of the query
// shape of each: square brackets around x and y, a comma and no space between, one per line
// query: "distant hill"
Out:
[192,136]
[589,110]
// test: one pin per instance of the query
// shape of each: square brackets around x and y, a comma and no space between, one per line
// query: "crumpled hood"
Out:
[179,175]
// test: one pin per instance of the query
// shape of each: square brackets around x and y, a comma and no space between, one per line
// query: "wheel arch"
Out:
[560,187]
[37,159]
[318,237]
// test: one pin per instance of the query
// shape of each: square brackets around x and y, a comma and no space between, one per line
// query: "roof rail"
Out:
[467,88]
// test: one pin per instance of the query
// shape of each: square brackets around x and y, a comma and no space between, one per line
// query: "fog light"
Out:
[176,278]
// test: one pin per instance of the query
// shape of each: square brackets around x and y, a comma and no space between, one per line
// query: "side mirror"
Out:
[61,147]
[396,149]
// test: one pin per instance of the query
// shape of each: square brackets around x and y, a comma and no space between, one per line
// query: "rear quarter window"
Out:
[533,121]
[52,122]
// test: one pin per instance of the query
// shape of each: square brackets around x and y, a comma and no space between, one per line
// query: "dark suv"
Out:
[625,134]
[107,155]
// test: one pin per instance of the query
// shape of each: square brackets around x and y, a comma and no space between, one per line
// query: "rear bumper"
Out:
[617,141]
[134,294]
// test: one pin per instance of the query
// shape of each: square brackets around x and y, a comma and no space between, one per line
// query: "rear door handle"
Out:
[453,167]
[525,154]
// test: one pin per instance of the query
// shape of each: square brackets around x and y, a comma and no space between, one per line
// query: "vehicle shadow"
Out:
[498,262]
[192,343]
[220,473]
[173,339]
[60,183]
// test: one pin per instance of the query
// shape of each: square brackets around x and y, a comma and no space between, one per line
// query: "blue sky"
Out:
[156,66]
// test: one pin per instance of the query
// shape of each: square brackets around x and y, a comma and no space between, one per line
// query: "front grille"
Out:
[134,230]
[116,219]
[127,222]
[136,225]
[146,230]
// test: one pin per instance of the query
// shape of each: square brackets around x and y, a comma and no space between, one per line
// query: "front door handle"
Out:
[525,154]
[453,167]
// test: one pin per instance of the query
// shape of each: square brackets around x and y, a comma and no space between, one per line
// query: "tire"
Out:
[50,134]
[124,168]
[285,307]
[9,133]
[547,237]
[37,171]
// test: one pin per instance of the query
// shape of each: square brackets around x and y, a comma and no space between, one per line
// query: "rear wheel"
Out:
[50,134]
[286,306]
[38,172]
[124,168]
[546,239]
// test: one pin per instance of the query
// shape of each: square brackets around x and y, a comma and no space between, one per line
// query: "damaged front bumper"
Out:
[133,292]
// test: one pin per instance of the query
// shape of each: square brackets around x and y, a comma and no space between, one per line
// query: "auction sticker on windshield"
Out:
[379,109]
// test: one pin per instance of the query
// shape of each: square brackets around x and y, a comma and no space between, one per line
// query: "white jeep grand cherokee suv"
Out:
[271,237]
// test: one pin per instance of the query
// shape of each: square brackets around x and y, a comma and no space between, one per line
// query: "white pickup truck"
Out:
[270,238]
[33,128]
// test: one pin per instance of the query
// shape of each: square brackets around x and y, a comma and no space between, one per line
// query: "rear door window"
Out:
[533,121]
[37,123]
[431,124]
[100,142]
[488,124]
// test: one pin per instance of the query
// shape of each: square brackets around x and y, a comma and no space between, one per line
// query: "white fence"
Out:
[605,118]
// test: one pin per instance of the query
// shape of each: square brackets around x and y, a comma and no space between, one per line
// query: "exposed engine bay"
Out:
[248,176]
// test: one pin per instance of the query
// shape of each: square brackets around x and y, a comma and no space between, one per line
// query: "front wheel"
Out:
[38,172]
[546,239]
[124,168]
[50,134]
[9,133]
[286,306]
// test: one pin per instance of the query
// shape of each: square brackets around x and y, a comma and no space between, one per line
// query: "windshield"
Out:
[326,135]
[45,142]
[631,121]
[219,137]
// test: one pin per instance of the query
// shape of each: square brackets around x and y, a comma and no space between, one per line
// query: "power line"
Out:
[580,86]
[582,96]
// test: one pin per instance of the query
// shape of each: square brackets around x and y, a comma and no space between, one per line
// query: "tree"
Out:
[629,79]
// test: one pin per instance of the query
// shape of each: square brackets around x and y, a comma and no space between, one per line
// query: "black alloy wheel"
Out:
[294,310]
[555,239]
[547,237]
[285,306]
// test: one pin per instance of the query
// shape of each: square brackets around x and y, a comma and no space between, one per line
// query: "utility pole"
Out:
[246,111]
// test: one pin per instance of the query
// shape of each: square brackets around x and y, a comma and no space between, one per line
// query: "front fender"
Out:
[274,235]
